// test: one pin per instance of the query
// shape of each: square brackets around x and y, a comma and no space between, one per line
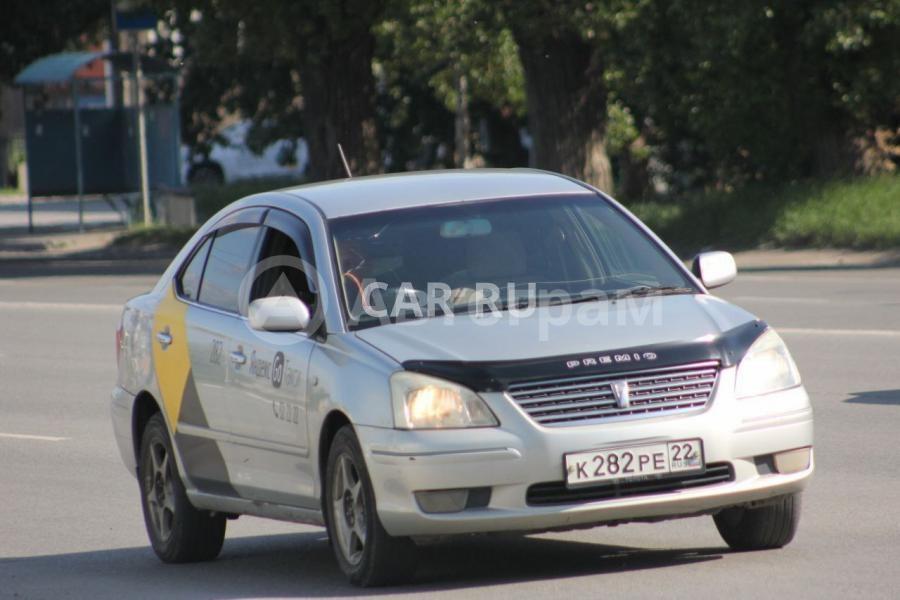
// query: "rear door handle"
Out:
[238,358]
[164,338]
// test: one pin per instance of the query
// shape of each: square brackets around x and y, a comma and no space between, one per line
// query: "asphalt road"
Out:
[71,526]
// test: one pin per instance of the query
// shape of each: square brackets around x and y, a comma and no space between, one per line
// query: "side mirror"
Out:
[278,313]
[714,269]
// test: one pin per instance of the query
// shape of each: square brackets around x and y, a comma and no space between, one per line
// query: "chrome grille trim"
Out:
[582,399]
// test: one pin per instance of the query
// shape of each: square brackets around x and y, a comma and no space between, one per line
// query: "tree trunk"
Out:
[462,123]
[338,107]
[566,101]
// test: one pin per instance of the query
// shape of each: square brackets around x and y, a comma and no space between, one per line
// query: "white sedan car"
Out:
[448,353]
[232,160]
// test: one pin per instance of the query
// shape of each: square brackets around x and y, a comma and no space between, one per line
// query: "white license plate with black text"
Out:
[636,462]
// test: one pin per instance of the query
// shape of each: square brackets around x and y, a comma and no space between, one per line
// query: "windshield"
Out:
[432,260]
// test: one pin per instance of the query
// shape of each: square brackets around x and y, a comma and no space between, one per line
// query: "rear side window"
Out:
[189,282]
[228,263]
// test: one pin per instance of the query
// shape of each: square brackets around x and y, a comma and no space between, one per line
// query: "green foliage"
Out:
[15,156]
[30,30]
[226,73]
[210,198]
[853,213]
[294,68]
[721,93]
[849,214]
[426,50]
[621,129]
[438,41]
[156,236]
[693,95]
[745,90]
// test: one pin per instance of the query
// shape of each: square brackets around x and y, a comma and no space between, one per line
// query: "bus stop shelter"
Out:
[82,131]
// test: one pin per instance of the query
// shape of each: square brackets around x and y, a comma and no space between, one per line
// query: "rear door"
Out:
[206,288]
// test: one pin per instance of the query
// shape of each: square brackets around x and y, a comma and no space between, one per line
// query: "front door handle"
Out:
[238,358]
[164,338]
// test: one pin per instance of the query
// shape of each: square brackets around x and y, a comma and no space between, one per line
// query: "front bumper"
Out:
[519,453]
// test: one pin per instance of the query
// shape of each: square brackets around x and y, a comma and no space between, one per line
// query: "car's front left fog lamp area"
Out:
[793,461]
[784,463]
[453,501]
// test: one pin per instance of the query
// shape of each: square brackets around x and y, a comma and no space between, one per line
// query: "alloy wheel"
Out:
[160,491]
[349,510]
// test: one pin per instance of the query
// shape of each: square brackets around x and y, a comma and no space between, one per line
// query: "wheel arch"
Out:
[330,426]
[145,406]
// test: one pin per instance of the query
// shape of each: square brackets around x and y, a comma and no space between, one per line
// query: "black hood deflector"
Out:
[728,348]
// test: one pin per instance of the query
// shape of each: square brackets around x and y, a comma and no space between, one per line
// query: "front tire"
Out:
[763,528]
[365,552]
[178,532]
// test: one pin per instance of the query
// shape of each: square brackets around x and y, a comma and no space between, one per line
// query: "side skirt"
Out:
[256,508]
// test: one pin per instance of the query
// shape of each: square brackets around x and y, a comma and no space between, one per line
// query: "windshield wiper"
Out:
[587,297]
[650,290]
[632,292]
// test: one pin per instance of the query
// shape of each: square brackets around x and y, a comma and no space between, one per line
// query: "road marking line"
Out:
[862,332]
[59,306]
[40,438]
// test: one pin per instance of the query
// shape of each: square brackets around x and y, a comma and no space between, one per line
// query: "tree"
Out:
[292,66]
[564,52]
[460,56]
[30,30]
[717,93]
[743,90]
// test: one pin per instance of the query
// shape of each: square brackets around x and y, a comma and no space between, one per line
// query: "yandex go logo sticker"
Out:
[278,369]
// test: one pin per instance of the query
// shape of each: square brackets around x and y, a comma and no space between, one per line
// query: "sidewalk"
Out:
[91,245]
[49,246]
[50,214]
[56,229]
[793,260]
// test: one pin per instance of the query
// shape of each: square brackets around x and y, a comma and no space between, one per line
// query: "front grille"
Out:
[575,400]
[556,492]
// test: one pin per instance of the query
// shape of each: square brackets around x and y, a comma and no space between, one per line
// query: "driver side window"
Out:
[283,262]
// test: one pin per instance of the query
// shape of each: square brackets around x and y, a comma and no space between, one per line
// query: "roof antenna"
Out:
[344,160]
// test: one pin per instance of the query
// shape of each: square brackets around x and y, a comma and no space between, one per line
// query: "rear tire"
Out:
[178,532]
[763,528]
[365,552]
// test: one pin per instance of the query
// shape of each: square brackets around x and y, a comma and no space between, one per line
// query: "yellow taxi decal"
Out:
[172,361]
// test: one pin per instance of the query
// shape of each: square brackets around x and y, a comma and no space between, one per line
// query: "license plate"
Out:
[633,462]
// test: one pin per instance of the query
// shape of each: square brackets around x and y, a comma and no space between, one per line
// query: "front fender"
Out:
[350,376]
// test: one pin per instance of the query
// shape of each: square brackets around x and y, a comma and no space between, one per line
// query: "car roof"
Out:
[360,195]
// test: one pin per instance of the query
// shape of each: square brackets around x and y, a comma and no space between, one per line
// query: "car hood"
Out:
[602,326]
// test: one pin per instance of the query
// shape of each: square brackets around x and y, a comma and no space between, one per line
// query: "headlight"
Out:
[423,402]
[767,367]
